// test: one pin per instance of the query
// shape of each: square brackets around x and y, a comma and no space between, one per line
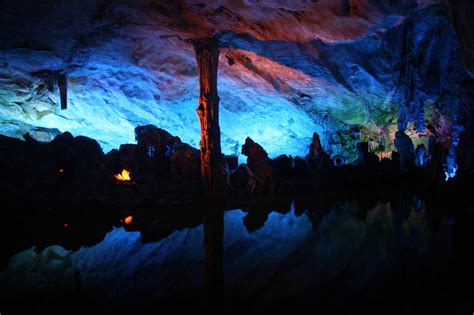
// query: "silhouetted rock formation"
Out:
[282,167]
[242,180]
[185,162]
[364,157]
[74,169]
[259,164]
[317,157]
[153,141]
[437,155]
[315,148]
[157,154]
[405,149]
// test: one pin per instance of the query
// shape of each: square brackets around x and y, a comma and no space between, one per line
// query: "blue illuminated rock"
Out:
[405,149]
[286,69]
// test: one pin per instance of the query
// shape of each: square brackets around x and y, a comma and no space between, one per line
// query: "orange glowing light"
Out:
[128,219]
[385,155]
[124,176]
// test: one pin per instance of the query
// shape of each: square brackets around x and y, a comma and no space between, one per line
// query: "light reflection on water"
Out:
[290,255]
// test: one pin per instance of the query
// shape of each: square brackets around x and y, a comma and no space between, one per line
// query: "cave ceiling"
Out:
[286,69]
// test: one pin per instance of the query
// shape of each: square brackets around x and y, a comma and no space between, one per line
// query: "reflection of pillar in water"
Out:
[214,249]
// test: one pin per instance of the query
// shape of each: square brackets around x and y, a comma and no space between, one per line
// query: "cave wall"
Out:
[461,13]
[349,70]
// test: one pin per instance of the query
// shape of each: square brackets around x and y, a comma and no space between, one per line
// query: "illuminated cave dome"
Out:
[347,69]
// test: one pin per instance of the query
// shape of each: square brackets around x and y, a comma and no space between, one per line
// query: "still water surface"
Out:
[349,257]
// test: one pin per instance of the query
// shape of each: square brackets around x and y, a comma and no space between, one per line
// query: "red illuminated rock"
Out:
[317,157]
[207,56]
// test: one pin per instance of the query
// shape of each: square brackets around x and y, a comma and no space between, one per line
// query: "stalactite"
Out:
[451,167]
[207,57]
[411,107]
[420,153]
[62,85]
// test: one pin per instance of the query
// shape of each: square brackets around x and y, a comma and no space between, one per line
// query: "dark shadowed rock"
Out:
[282,167]
[364,157]
[301,168]
[405,149]
[260,165]
[242,181]
[153,141]
[185,162]
[318,159]
[420,153]
[437,155]
[231,161]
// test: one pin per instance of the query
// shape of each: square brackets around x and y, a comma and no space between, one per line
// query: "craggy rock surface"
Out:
[286,69]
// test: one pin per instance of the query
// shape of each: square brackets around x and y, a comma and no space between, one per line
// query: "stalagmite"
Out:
[207,56]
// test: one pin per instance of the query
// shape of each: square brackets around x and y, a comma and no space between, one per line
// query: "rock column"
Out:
[207,56]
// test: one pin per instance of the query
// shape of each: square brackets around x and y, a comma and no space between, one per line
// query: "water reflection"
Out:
[303,252]
[214,250]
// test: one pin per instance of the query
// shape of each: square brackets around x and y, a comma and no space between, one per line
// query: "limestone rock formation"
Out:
[420,154]
[299,67]
[364,157]
[318,158]
[185,162]
[405,149]
[259,164]
[153,141]
[461,13]
[207,57]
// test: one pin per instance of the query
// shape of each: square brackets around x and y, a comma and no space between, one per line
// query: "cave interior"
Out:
[239,155]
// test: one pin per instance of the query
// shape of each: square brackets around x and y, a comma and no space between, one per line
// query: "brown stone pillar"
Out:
[207,56]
